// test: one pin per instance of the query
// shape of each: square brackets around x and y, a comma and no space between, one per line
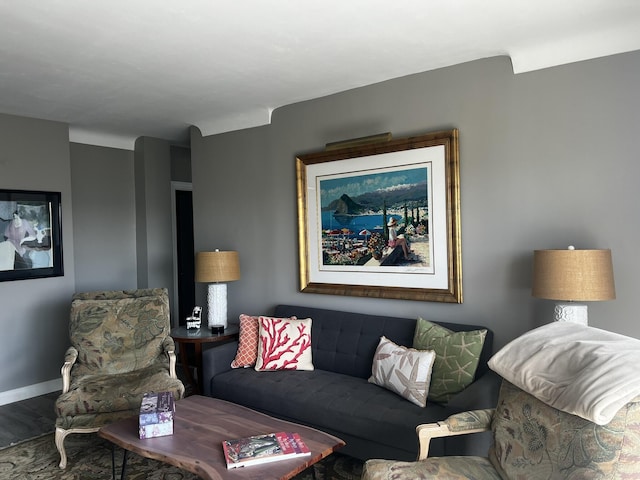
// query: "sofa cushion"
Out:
[403,370]
[457,357]
[284,344]
[345,342]
[329,401]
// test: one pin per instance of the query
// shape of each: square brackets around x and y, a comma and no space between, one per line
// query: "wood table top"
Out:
[201,424]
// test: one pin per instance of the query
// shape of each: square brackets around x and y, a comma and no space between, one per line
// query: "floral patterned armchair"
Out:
[120,349]
[592,431]
[532,441]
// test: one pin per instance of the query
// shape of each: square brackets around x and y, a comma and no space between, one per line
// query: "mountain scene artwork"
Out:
[357,210]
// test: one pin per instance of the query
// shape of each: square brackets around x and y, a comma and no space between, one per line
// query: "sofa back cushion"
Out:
[118,332]
[345,342]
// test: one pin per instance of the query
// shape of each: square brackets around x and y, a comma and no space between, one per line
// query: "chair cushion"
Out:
[90,396]
[535,441]
[443,468]
[117,335]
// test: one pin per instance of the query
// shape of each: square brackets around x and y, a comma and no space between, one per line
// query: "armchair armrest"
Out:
[463,423]
[169,348]
[70,357]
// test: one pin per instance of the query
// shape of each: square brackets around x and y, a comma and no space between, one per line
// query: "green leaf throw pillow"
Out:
[457,357]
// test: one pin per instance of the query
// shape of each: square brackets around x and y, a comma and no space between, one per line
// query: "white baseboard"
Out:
[30,391]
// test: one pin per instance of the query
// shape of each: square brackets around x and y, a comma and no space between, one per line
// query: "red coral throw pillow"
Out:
[284,344]
[247,352]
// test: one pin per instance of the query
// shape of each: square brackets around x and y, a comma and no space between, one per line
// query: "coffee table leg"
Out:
[113,461]
[124,465]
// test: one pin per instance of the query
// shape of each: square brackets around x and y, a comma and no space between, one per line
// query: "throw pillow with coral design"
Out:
[284,344]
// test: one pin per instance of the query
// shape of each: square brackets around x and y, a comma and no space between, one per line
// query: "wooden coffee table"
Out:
[199,427]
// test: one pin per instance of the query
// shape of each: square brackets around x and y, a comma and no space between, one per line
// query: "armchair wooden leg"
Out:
[60,436]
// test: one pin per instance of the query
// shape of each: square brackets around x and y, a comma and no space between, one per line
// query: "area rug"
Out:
[89,458]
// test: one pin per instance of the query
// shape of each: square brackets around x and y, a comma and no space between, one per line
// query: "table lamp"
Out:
[216,268]
[573,275]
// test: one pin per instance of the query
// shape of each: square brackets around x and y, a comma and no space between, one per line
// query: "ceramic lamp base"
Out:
[571,312]
[217,304]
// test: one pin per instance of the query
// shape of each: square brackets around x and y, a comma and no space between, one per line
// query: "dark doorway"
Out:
[185,254]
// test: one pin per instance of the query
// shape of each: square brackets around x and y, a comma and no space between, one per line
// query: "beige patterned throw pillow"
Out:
[402,370]
[457,357]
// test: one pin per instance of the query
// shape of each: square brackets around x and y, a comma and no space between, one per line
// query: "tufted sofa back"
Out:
[345,342]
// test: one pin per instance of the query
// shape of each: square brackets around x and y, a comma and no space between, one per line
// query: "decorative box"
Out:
[156,414]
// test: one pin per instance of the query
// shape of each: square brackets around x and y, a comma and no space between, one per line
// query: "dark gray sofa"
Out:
[336,397]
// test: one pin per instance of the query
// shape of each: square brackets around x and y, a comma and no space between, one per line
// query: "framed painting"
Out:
[382,219]
[30,235]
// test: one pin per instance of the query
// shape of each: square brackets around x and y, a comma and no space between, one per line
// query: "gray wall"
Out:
[104,217]
[34,155]
[548,159]
[99,235]
[153,213]
[180,164]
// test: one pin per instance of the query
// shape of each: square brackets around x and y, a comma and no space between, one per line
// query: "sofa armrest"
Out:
[483,393]
[464,423]
[216,360]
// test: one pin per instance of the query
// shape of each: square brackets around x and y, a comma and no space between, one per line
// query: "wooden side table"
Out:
[183,337]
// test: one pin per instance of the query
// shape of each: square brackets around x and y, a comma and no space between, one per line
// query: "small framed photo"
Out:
[30,235]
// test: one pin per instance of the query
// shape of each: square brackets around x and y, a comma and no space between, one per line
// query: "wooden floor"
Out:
[27,419]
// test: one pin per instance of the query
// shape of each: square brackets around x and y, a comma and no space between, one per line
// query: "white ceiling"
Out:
[118,69]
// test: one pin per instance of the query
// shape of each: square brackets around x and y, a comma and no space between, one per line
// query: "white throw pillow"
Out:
[403,370]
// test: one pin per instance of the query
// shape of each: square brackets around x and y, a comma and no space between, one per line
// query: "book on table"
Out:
[258,449]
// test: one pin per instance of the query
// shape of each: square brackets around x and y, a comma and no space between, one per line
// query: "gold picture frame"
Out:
[346,198]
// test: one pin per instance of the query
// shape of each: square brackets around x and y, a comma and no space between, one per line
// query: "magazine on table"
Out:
[258,449]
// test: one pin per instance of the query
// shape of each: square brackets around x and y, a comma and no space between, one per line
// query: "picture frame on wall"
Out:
[382,219]
[30,235]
